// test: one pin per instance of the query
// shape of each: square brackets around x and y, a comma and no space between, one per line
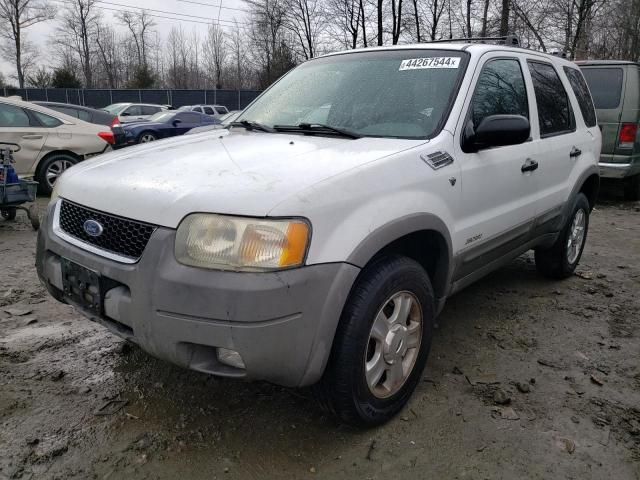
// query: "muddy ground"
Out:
[566,355]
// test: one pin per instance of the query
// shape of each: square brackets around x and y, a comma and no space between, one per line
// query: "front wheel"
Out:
[382,343]
[561,259]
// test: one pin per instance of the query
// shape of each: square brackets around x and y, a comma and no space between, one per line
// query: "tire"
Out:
[146,137]
[344,389]
[8,213]
[50,169]
[561,259]
[632,188]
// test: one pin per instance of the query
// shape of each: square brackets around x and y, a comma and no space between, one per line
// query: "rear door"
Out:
[497,195]
[17,126]
[149,110]
[560,143]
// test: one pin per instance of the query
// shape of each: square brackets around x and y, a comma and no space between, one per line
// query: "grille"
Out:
[120,235]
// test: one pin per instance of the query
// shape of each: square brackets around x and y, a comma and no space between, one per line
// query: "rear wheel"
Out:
[51,168]
[561,259]
[382,343]
[146,137]
[632,188]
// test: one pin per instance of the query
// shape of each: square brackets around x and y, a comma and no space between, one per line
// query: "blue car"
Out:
[165,124]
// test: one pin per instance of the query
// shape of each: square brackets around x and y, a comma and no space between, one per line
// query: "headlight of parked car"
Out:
[245,244]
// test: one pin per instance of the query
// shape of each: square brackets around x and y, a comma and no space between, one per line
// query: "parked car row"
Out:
[54,136]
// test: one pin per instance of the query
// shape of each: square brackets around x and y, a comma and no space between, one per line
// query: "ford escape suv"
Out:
[320,253]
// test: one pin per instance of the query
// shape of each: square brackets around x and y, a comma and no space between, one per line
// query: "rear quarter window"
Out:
[605,85]
[581,91]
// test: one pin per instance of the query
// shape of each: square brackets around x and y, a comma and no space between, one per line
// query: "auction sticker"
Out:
[429,62]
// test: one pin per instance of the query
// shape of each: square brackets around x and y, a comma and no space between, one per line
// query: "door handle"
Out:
[32,136]
[575,152]
[529,166]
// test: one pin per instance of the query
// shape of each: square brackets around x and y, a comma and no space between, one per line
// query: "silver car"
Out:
[50,141]
[134,112]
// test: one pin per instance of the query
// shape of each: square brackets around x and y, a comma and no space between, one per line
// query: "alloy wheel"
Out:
[576,236]
[394,344]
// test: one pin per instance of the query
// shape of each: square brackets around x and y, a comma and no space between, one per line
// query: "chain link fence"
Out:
[98,98]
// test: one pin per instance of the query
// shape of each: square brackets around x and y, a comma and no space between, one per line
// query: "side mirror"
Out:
[496,131]
[125,114]
[176,122]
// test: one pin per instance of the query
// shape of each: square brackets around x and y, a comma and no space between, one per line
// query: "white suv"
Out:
[320,254]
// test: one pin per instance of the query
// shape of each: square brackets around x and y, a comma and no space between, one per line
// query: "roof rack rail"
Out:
[506,40]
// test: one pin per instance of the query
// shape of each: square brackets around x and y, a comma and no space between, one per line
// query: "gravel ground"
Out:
[527,379]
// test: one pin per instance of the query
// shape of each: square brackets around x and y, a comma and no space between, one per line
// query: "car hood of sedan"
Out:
[243,173]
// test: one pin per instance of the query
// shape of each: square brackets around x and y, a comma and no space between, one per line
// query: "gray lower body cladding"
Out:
[281,323]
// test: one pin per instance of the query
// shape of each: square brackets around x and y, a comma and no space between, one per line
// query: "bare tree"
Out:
[77,30]
[108,53]
[215,53]
[347,16]
[15,17]
[140,25]
[305,19]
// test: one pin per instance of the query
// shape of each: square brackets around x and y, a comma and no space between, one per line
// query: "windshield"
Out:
[114,108]
[162,117]
[392,93]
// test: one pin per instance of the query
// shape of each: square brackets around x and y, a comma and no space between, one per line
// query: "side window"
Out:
[500,91]
[67,111]
[581,91]
[149,110]
[83,115]
[190,118]
[222,109]
[554,110]
[133,110]
[11,116]
[605,85]
[209,111]
[46,120]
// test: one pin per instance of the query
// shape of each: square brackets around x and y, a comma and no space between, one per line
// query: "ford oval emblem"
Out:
[93,228]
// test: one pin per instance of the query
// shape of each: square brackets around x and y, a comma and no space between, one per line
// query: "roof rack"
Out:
[506,40]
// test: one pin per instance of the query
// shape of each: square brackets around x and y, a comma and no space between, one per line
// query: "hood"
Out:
[242,173]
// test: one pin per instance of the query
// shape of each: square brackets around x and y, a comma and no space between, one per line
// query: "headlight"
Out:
[236,243]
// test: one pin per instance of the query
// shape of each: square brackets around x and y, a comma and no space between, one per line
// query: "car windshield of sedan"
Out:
[391,93]
[162,117]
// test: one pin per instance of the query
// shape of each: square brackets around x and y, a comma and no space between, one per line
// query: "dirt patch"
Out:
[527,379]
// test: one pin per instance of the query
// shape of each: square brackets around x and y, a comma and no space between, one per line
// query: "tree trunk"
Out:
[417,20]
[364,25]
[485,15]
[469,18]
[504,18]
[380,23]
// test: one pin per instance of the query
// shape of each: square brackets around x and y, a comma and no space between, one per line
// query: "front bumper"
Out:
[281,323]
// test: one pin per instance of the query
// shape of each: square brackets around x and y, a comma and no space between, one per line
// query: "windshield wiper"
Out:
[251,125]
[317,128]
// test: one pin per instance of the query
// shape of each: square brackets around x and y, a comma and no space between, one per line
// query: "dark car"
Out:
[165,124]
[91,115]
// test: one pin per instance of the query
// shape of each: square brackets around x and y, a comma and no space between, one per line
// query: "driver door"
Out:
[498,198]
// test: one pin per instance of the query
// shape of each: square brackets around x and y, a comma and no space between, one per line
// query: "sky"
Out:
[192,16]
